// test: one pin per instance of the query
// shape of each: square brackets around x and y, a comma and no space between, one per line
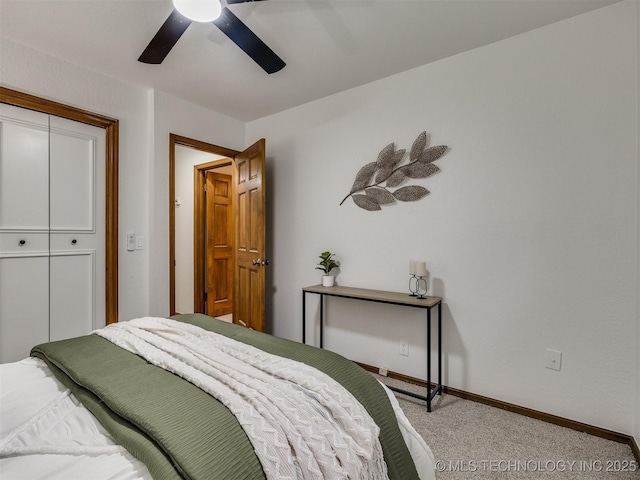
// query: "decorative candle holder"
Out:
[418,287]
[413,282]
[418,279]
[422,288]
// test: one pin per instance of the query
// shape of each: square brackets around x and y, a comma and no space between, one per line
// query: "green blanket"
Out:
[179,431]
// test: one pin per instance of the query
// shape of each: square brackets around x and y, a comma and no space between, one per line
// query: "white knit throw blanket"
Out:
[302,423]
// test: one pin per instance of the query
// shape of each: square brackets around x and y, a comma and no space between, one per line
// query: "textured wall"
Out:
[530,232]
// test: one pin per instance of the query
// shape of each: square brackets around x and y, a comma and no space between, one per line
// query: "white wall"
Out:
[530,232]
[172,115]
[42,75]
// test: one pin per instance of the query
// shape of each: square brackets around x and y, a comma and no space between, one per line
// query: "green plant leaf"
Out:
[366,202]
[327,264]
[410,193]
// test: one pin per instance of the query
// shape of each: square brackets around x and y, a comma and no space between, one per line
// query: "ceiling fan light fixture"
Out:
[199,10]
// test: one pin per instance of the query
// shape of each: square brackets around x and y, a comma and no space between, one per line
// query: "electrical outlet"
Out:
[383,371]
[553,359]
[404,348]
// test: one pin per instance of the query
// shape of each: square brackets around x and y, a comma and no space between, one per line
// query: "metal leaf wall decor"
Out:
[389,170]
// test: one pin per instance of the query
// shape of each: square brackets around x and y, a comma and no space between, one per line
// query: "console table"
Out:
[393,298]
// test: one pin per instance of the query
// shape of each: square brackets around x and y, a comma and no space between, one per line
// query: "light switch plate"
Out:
[131,242]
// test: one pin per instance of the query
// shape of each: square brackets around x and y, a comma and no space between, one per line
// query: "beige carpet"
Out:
[474,441]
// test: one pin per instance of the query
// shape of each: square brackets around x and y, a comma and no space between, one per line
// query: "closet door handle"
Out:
[22,243]
[74,241]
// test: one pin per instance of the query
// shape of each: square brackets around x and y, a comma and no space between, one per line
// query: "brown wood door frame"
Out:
[111,127]
[198,238]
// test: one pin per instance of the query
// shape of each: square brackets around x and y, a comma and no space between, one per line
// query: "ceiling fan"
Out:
[188,11]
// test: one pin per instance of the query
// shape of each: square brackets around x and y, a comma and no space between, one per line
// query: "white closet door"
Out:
[24,226]
[77,228]
[24,310]
[52,229]
[24,163]
[72,294]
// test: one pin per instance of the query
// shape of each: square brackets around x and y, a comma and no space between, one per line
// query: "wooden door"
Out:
[219,244]
[249,280]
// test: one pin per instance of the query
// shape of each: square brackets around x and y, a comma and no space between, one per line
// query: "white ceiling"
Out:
[328,45]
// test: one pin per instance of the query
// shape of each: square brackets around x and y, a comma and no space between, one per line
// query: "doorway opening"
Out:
[248,218]
[201,258]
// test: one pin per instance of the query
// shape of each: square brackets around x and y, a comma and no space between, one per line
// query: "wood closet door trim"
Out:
[111,126]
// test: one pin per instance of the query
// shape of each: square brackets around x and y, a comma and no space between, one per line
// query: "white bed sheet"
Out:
[46,433]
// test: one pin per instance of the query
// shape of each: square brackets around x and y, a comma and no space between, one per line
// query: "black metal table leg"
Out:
[321,321]
[440,349]
[428,360]
[304,315]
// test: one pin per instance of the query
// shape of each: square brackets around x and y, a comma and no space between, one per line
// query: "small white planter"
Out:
[327,280]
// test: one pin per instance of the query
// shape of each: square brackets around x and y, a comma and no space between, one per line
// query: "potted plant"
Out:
[326,265]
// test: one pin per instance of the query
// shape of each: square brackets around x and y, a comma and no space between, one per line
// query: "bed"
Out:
[95,407]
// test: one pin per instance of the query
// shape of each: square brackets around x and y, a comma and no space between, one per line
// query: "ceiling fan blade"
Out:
[169,33]
[248,41]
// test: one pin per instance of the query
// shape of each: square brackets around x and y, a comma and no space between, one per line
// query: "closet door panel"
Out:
[24,169]
[72,179]
[24,244]
[77,224]
[24,310]
[72,310]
